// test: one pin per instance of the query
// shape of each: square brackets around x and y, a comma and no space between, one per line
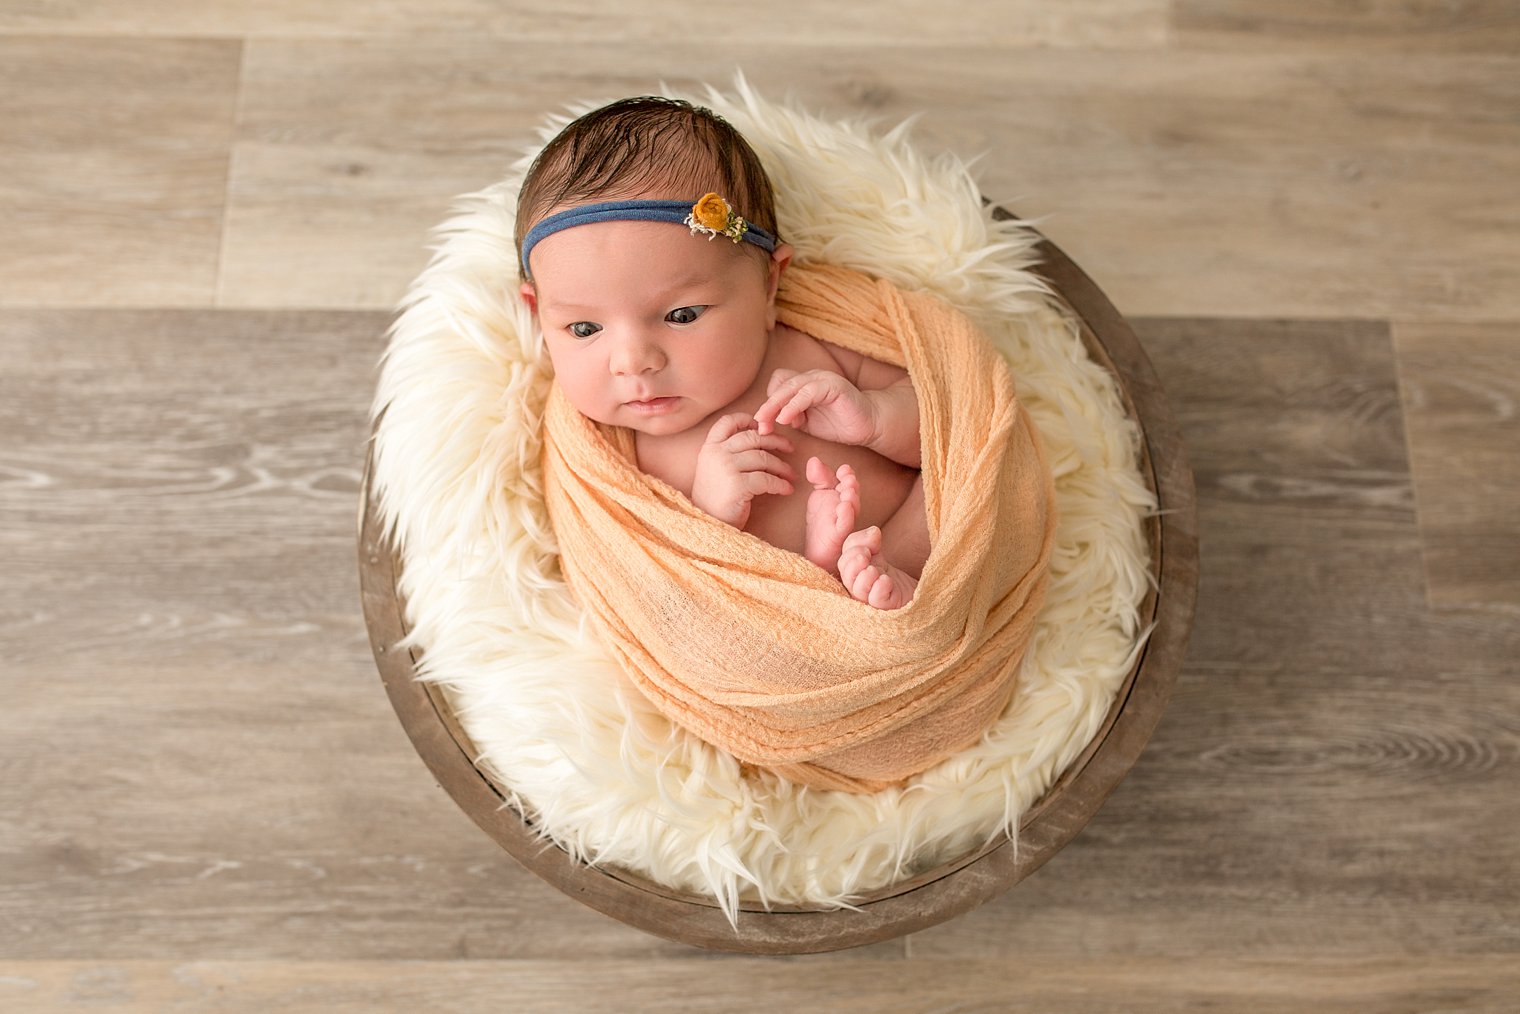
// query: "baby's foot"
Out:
[868,576]
[831,511]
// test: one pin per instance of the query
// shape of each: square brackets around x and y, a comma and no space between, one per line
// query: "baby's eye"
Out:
[685,314]
[584,329]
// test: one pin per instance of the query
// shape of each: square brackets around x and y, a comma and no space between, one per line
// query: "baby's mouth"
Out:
[653,405]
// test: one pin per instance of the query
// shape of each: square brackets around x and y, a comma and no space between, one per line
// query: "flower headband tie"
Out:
[711,215]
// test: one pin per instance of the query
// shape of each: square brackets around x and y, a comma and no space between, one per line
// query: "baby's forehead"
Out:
[658,253]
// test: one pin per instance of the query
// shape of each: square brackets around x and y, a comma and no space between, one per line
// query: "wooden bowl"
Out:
[934,896]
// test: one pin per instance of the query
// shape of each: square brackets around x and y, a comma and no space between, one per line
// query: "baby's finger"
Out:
[778,377]
[762,461]
[783,386]
[796,407]
[744,440]
[727,426]
[758,483]
[765,418]
[765,415]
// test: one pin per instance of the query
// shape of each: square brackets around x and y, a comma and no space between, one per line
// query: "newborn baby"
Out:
[658,310]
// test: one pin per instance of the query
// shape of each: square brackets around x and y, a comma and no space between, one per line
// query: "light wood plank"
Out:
[1335,771]
[1190,183]
[1462,401]
[113,170]
[1388,984]
[1475,25]
[197,754]
[1124,23]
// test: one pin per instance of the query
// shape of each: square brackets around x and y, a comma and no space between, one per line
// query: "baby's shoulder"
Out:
[800,351]
[797,350]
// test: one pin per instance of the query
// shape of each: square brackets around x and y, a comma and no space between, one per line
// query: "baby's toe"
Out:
[868,539]
[851,563]
[845,515]
[818,473]
[884,593]
[866,582]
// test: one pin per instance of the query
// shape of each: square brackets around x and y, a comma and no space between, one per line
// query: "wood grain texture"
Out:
[1072,986]
[1333,745]
[1472,26]
[195,756]
[235,787]
[1124,23]
[1461,386]
[1192,183]
[113,169]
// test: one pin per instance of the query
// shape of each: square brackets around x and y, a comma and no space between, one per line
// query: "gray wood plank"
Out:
[1475,26]
[1461,387]
[1079,985]
[1335,772]
[113,169]
[198,756]
[848,22]
[1187,182]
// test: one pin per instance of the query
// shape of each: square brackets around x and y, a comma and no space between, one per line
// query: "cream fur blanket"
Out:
[598,769]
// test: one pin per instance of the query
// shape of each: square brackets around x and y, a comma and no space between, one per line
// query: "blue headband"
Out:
[711,215]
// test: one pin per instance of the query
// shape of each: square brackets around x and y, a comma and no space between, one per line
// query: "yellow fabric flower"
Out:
[711,212]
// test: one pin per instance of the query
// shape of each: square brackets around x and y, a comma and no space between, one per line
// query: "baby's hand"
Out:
[735,465]
[819,402]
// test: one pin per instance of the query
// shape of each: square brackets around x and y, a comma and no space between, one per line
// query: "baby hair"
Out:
[648,146]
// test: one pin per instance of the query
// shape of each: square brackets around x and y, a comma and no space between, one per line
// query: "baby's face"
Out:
[649,326]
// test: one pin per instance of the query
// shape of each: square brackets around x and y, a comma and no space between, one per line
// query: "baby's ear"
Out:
[780,258]
[530,297]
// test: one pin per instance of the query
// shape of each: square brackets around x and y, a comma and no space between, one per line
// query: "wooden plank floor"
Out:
[208,210]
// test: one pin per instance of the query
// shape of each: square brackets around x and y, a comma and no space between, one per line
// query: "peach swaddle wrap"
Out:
[758,651]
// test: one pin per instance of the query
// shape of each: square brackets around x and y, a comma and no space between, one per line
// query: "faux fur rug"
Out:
[597,769]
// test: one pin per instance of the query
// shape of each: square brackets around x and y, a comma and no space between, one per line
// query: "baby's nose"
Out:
[636,354]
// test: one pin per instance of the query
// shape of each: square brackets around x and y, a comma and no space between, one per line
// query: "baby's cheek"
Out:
[595,403]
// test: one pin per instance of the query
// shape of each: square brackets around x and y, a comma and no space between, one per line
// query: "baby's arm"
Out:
[829,406]
[897,423]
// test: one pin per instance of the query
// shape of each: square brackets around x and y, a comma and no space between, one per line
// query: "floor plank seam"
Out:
[1414,484]
[217,290]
